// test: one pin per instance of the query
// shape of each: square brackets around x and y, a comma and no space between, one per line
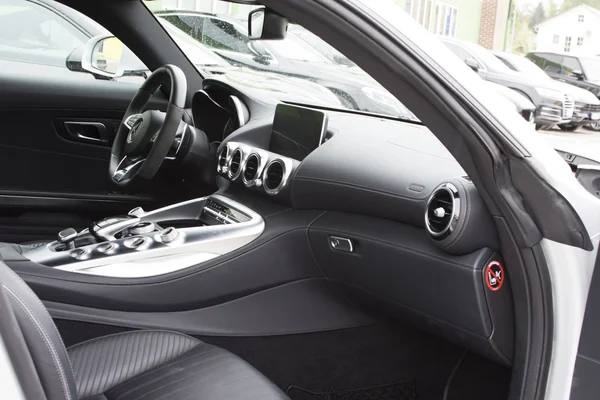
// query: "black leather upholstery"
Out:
[43,340]
[130,365]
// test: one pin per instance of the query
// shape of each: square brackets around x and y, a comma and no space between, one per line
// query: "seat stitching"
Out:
[199,363]
[182,379]
[132,332]
[153,370]
[47,342]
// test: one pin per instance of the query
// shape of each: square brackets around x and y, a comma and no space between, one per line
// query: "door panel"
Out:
[586,384]
[54,174]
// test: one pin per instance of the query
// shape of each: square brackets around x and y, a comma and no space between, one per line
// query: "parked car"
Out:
[320,45]
[553,104]
[522,105]
[228,37]
[587,106]
[583,72]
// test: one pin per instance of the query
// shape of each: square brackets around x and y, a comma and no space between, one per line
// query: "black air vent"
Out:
[251,168]
[274,177]
[440,211]
[234,165]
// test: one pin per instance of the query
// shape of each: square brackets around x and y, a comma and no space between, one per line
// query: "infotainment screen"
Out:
[297,131]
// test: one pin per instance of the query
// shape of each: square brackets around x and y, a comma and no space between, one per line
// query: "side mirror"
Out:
[106,57]
[473,64]
[578,74]
[266,24]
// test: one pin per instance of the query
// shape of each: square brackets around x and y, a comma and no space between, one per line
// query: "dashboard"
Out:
[388,190]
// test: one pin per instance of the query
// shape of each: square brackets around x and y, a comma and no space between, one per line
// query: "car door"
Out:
[56,128]
[586,384]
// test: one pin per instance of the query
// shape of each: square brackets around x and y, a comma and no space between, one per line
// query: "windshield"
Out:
[214,36]
[591,68]
[523,64]
[292,49]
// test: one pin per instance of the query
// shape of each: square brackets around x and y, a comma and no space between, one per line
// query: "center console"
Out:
[143,244]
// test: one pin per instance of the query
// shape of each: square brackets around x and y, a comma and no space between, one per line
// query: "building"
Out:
[576,31]
[479,21]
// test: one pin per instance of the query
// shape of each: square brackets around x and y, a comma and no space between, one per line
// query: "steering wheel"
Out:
[143,139]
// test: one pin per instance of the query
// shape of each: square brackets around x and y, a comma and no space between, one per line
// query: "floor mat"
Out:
[351,359]
[394,391]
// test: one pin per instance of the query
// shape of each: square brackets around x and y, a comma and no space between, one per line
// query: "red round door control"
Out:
[494,276]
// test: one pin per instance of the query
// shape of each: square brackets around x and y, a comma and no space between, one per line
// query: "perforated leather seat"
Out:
[134,365]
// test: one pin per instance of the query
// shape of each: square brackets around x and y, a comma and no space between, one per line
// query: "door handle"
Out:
[92,132]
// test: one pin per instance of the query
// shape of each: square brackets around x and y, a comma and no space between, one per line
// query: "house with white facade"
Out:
[576,32]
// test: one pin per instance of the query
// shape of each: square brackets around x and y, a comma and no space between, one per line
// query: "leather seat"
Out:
[128,366]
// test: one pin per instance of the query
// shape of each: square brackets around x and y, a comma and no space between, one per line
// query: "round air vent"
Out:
[222,161]
[250,172]
[442,213]
[235,164]
[274,177]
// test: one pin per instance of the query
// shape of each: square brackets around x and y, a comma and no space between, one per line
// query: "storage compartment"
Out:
[396,268]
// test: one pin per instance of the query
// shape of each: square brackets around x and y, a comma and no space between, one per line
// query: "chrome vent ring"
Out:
[251,172]
[443,211]
[274,177]
[235,164]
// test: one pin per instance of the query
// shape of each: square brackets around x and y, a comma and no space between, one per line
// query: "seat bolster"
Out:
[206,372]
[102,363]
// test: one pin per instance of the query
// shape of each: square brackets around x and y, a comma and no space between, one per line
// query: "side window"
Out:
[221,35]
[551,63]
[33,33]
[570,64]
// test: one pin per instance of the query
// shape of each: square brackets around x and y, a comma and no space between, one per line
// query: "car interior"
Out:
[238,246]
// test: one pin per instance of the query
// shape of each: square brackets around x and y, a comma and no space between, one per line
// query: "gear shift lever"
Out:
[67,236]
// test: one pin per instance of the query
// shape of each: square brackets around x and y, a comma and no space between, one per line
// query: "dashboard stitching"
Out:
[354,186]
[410,250]
[284,233]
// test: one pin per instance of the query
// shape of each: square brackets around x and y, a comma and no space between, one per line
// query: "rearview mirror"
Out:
[106,57]
[266,24]
[473,64]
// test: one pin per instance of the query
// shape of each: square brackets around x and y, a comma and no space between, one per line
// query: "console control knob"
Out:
[78,253]
[142,227]
[106,247]
[169,234]
[138,212]
[136,242]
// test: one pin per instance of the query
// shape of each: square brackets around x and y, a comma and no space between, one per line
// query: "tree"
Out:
[568,4]
[539,15]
